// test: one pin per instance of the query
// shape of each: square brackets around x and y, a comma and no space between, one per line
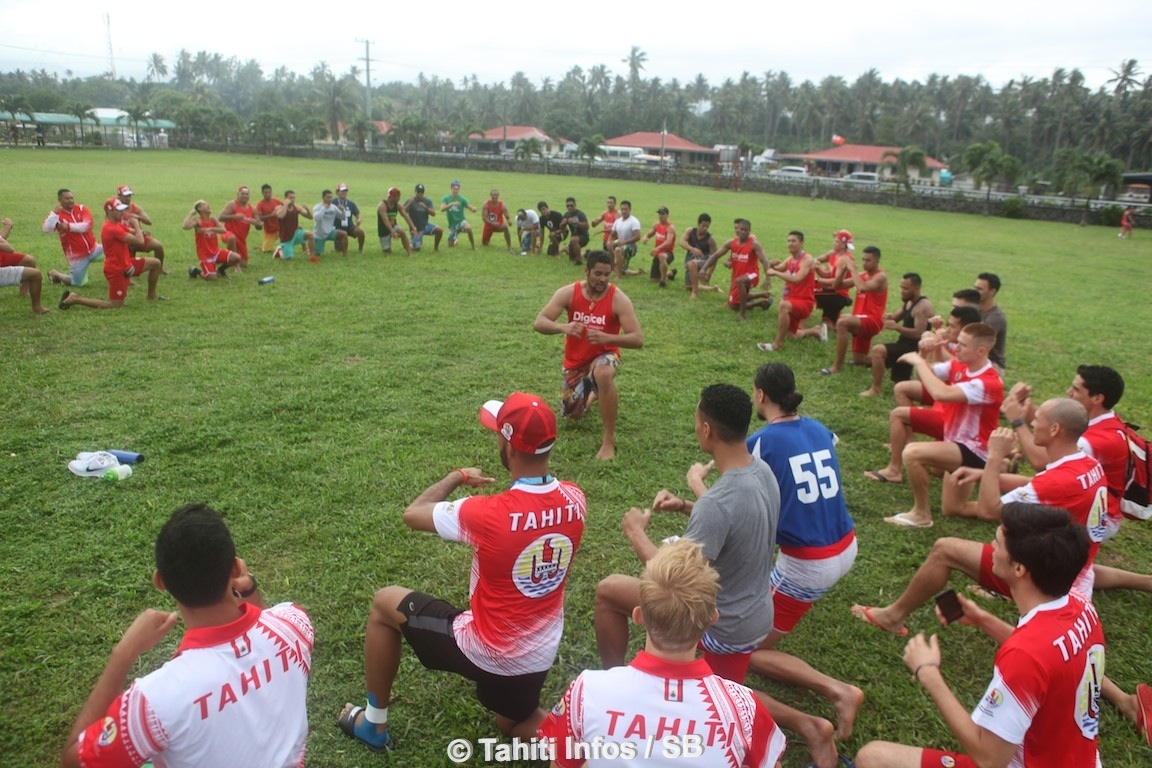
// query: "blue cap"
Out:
[455,183]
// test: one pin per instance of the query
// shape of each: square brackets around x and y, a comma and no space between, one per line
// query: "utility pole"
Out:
[367,78]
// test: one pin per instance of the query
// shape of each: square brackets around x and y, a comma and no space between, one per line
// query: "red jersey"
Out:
[597,315]
[79,240]
[117,258]
[494,214]
[871,303]
[663,244]
[1106,441]
[805,290]
[609,218]
[207,241]
[652,705]
[267,208]
[846,286]
[1045,689]
[524,540]
[241,228]
[1076,483]
[970,422]
[744,261]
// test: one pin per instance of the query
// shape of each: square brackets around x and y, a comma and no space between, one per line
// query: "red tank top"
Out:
[805,290]
[744,261]
[663,245]
[871,303]
[598,315]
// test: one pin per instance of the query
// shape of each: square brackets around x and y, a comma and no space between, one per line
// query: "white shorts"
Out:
[10,276]
[809,580]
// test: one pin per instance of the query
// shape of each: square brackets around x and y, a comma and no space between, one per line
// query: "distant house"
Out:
[683,152]
[113,126]
[503,140]
[851,158]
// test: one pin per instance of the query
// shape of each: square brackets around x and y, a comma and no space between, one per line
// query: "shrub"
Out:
[1013,208]
[1110,215]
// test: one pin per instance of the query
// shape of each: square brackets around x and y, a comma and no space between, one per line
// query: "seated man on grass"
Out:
[1042,707]
[1072,481]
[970,392]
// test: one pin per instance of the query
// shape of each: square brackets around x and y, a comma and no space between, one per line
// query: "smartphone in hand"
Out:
[949,606]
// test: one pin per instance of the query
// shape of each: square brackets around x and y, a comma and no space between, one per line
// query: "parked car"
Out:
[863,177]
[791,171]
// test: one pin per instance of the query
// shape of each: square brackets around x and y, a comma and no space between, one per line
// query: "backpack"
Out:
[1135,504]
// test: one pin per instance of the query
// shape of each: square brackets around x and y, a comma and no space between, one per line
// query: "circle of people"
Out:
[768,532]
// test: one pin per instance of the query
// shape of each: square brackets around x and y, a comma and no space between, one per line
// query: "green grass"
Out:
[311,411]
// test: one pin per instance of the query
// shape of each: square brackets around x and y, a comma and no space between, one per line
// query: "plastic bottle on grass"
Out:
[116,474]
[127,457]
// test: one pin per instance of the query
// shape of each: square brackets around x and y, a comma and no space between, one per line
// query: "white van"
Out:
[863,177]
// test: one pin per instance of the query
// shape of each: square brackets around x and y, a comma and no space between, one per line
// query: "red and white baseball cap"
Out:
[124,190]
[114,204]
[843,236]
[341,187]
[524,420]
[394,192]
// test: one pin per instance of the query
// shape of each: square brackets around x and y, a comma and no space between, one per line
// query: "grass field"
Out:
[312,410]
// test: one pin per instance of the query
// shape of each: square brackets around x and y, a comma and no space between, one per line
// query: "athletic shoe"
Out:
[765,346]
[824,332]
[220,270]
[194,273]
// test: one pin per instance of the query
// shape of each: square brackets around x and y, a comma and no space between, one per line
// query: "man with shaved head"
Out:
[1072,480]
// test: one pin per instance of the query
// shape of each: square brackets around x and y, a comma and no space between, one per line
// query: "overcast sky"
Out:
[997,39]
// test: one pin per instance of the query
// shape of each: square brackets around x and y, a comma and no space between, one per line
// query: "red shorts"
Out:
[927,421]
[730,666]
[989,580]
[490,229]
[938,758]
[11,259]
[800,312]
[118,281]
[869,327]
[208,264]
[925,398]
[734,294]
[242,247]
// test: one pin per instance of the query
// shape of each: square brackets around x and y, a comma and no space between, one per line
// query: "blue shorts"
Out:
[418,238]
[320,241]
[79,268]
[288,248]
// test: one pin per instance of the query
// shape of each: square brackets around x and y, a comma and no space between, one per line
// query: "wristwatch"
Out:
[251,591]
[1017,423]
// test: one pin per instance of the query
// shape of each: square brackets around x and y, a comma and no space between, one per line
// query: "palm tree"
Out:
[83,111]
[528,149]
[266,127]
[904,160]
[361,129]
[589,147]
[156,67]
[134,113]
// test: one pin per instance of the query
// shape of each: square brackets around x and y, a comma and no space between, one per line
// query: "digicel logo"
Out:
[587,319]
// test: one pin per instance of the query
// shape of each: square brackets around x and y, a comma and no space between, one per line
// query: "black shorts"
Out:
[968,458]
[654,273]
[832,304]
[428,630]
[893,352]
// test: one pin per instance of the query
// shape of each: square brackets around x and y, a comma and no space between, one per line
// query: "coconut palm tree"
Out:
[903,160]
[589,147]
[529,148]
[83,111]
[156,67]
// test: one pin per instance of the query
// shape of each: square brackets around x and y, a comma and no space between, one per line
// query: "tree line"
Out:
[1042,124]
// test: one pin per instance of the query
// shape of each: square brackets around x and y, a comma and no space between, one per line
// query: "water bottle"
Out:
[127,457]
[266,280]
[118,473]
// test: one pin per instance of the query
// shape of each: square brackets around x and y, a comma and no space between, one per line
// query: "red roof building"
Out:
[850,158]
[504,138]
[670,145]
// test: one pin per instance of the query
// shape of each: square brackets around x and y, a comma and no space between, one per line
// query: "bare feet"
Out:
[607,451]
[847,703]
[40,309]
[819,737]
[870,392]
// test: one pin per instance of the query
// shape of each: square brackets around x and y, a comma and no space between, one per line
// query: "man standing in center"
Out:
[524,540]
[601,320]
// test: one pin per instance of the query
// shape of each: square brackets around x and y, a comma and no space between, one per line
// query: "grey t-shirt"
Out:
[995,317]
[735,522]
